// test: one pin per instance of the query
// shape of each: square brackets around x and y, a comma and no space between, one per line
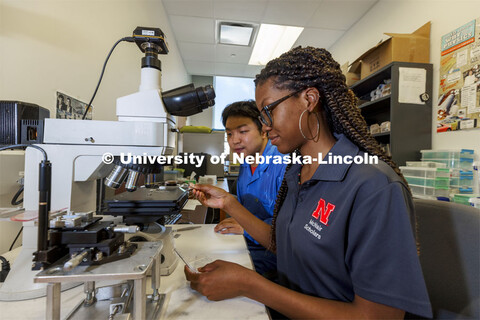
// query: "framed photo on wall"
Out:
[69,107]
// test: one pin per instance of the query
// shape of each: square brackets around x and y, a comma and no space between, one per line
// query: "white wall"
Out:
[11,169]
[405,16]
[204,118]
[52,45]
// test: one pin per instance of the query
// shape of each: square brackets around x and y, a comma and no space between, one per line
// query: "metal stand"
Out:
[165,235]
[133,270]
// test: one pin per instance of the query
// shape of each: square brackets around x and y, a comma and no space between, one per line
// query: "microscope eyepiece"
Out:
[188,100]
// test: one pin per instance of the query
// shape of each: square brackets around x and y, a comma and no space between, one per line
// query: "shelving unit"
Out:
[410,123]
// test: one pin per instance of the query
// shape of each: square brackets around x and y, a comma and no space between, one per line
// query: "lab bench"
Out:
[200,244]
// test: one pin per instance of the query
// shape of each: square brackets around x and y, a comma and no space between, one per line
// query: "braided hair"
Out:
[313,67]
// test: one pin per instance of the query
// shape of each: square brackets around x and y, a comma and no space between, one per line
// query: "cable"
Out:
[15,240]
[5,269]
[4,262]
[14,201]
[21,146]
[129,39]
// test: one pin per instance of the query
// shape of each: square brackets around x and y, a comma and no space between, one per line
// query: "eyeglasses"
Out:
[265,116]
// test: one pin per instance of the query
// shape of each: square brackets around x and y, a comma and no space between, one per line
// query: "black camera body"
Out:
[151,35]
[21,123]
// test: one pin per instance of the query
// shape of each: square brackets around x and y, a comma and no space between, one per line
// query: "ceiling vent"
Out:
[234,33]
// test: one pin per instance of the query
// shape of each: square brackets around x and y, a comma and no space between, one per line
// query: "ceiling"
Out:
[194,24]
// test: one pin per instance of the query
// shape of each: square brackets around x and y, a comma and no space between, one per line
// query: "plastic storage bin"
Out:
[430,173]
[456,163]
[475,202]
[436,183]
[465,190]
[447,154]
[453,159]
[429,191]
[461,190]
[464,198]
[426,164]
[455,173]
[462,181]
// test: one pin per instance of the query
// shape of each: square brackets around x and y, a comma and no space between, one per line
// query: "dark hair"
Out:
[313,67]
[246,108]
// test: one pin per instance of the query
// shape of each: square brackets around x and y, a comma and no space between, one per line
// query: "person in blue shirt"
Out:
[343,230]
[257,184]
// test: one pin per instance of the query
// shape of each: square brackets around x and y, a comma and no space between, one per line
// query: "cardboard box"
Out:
[351,72]
[414,47]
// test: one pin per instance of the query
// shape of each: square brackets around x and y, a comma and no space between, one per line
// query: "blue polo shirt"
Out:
[258,191]
[348,231]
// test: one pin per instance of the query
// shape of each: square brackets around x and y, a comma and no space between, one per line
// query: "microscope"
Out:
[81,153]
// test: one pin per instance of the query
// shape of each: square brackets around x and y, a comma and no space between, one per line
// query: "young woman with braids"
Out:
[342,233]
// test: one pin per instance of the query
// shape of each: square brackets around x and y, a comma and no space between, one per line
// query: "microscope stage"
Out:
[167,200]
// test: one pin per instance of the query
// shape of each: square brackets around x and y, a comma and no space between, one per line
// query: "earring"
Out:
[300,127]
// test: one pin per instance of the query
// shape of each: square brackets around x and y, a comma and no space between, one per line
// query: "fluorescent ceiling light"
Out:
[237,34]
[272,41]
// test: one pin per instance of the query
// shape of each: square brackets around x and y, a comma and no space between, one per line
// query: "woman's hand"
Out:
[220,280]
[211,196]
[229,225]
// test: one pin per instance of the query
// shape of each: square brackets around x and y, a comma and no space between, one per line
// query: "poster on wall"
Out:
[71,108]
[458,105]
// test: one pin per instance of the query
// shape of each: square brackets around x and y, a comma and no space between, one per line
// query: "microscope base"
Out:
[134,270]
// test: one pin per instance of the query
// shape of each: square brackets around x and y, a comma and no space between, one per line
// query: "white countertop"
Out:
[181,301]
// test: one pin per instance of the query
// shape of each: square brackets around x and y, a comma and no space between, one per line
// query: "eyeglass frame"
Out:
[269,108]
